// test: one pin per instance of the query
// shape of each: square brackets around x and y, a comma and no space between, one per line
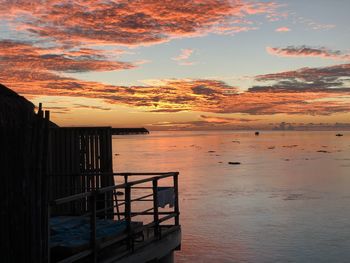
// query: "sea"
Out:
[288,199]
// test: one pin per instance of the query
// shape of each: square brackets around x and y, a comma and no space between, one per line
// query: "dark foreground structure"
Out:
[62,202]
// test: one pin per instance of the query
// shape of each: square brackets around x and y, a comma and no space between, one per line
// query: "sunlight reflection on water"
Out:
[286,202]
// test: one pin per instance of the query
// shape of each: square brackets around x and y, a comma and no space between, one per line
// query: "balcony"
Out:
[136,220]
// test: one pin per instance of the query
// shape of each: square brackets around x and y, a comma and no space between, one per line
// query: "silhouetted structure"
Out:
[24,181]
[59,195]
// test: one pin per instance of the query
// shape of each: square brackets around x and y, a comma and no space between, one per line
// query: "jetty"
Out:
[62,201]
[129,131]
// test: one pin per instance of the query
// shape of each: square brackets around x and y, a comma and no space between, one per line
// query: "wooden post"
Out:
[93,227]
[48,234]
[176,203]
[45,187]
[125,182]
[125,178]
[155,208]
[47,115]
[127,210]
[40,111]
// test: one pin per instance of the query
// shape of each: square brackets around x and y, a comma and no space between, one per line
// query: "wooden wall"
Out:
[23,192]
[39,164]
[77,156]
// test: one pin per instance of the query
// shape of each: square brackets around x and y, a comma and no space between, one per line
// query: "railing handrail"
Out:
[96,173]
[102,190]
[132,183]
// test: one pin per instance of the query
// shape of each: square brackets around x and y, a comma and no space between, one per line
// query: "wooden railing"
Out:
[137,190]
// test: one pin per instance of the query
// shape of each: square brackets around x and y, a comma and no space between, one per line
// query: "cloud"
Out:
[309,23]
[283,29]
[35,70]
[311,126]
[207,125]
[305,51]
[201,96]
[68,109]
[228,120]
[324,89]
[93,107]
[29,71]
[28,59]
[124,22]
[183,57]
[200,125]
[308,75]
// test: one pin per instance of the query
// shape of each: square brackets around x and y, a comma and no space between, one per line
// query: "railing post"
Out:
[125,178]
[93,227]
[155,208]
[127,210]
[176,203]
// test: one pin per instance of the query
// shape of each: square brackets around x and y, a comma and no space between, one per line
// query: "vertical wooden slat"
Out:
[93,227]
[155,207]
[176,203]
[85,151]
[127,209]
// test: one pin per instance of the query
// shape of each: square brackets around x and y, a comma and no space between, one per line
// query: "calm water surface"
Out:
[286,202]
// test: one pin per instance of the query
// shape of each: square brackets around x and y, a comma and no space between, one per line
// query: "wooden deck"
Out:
[150,230]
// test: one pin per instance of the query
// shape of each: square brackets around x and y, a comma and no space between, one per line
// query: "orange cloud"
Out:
[126,22]
[29,71]
[304,51]
[216,119]
[283,29]
[27,58]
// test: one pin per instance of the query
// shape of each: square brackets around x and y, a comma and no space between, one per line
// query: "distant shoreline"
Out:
[252,130]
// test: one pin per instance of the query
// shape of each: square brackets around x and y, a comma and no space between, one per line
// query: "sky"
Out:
[187,65]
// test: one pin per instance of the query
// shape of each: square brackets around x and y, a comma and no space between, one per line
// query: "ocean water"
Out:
[288,200]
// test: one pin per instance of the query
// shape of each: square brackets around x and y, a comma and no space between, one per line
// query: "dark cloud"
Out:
[203,90]
[333,79]
[305,51]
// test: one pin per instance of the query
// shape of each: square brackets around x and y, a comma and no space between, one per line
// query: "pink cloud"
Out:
[184,55]
[183,58]
[283,29]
